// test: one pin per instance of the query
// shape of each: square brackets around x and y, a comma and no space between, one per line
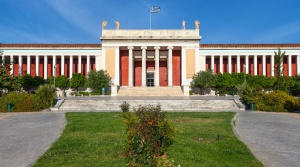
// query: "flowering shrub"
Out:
[149,134]
[20,102]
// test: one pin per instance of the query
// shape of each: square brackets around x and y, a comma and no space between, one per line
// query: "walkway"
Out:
[273,138]
[26,136]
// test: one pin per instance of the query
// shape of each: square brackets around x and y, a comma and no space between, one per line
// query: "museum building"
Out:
[140,58]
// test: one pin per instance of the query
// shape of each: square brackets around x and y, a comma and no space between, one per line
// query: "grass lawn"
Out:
[98,139]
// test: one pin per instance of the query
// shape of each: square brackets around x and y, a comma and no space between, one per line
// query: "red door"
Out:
[163,73]
[137,73]
[176,67]
[124,67]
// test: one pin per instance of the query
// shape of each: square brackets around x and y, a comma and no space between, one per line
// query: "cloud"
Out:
[77,13]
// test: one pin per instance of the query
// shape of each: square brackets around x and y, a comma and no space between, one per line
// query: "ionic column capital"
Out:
[144,47]
[170,47]
[130,47]
[156,47]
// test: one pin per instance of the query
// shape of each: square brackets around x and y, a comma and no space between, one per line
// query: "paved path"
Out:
[24,137]
[273,138]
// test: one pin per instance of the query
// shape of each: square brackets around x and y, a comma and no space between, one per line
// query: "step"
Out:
[167,105]
[150,91]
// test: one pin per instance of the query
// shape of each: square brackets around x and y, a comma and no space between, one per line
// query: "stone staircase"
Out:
[150,91]
[166,105]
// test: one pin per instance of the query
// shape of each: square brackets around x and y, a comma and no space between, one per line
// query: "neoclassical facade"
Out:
[149,57]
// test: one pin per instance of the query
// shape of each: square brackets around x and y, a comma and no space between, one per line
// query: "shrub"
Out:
[277,101]
[149,134]
[20,102]
[125,106]
[46,96]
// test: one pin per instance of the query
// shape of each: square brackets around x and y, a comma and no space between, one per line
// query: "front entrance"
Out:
[150,79]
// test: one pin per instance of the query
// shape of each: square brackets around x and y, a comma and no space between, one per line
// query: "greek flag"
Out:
[155,9]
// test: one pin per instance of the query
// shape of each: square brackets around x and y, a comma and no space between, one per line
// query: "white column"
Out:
[156,74]
[298,64]
[144,65]
[3,58]
[20,65]
[88,63]
[45,67]
[37,65]
[62,65]
[272,65]
[12,65]
[183,66]
[212,63]
[229,64]
[255,64]
[130,66]
[247,63]
[54,65]
[71,65]
[117,66]
[28,64]
[221,63]
[238,63]
[79,63]
[264,65]
[290,65]
[170,66]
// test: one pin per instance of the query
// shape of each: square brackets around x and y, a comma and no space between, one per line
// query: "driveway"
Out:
[273,138]
[24,137]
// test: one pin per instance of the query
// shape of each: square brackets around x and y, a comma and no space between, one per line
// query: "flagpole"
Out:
[150,17]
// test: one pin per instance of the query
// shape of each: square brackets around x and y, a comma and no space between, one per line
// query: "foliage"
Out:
[27,81]
[62,82]
[284,83]
[98,79]
[46,96]
[37,81]
[125,106]
[6,80]
[277,101]
[16,83]
[225,81]
[204,80]
[260,81]
[278,63]
[77,80]
[149,134]
[295,90]
[20,102]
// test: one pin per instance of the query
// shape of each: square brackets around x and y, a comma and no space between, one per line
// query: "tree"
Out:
[62,82]
[37,81]
[6,80]
[204,80]
[224,82]
[98,79]
[46,96]
[278,63]
[27,81]
[77,80]
[278,71]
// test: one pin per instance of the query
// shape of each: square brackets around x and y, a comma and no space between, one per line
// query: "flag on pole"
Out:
[155,9]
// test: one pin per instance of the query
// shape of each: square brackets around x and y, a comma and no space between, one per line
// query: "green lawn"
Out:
[98,139]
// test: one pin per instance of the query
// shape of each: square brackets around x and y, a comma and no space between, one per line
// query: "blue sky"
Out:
[79,21]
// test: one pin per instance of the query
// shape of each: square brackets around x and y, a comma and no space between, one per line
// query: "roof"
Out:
[258,46]
[50,45]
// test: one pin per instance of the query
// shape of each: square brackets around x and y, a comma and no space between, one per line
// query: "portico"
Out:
[150,57]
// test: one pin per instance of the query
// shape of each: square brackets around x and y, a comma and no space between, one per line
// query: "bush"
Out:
[46,96]
[277,101]
[20,102]
[125,106]
[149,134]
